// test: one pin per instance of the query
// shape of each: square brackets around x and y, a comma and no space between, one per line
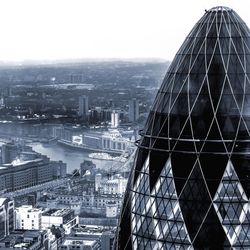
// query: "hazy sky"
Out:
[67,29]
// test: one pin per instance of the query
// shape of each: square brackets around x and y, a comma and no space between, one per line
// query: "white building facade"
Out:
[28,218]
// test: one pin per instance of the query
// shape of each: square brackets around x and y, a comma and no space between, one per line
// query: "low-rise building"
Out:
[28,218]
[103,235]
[25,239]
[72,244]
[115,185]
[22,174]
[60,217]
[111,209]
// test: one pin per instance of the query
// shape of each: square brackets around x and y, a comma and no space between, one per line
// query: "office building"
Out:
[114,119]
[83,106]
[25,239]
[28,218]
[60,217]
[23,174]
[133,110]
[6,217]
[189,186]
[10,152]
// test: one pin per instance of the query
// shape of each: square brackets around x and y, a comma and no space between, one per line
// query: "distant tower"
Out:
[98,180]
[83,106]
[114,119]
[133,112]
[10,151]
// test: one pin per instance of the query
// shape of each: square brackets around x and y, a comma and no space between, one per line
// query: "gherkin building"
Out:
[189,187]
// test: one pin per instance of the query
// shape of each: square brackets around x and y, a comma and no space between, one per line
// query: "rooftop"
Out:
[57,212]
[2,200]
[79,242]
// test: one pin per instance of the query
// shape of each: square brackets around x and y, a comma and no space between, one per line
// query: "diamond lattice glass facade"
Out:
[190,184]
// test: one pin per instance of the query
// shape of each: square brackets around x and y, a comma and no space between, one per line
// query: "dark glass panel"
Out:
[124,231]
[212,30]
[157,161]
[180,105]
[242,168]
[184,146]
[182,165]
[175,126]
[184,64]
[224,33]
[198,48]
[140,159]
[159,119]
[247,60]
[214,132]
[196,81]
[243,132]
[211,234]
[246,107]
[237,44]
[234,66]
[161,143]
[194,201]
[179,83]
[228,106]
[149,123]
[210,47]
[198,65]
[213,167]
[213,147]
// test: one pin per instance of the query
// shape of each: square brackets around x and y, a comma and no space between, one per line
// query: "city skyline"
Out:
[58,30]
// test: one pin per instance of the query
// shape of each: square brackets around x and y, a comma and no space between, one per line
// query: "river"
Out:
[72,157]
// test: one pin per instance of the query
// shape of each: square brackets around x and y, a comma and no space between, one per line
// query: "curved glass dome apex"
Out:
[189,185]
[207,83]
[220,8]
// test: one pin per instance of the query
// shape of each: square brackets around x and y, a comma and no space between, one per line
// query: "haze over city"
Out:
[63,29]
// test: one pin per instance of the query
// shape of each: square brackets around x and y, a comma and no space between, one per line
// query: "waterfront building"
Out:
[9,152]
[28,218]
[22,174]
[133,110]
[6,217]
[59,169]
[83,106]
[189,186]
[110,141]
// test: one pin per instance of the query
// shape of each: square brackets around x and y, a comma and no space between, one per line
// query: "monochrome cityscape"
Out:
[68,133]
[124,152]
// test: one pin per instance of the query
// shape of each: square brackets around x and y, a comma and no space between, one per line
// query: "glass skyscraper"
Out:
[189,187]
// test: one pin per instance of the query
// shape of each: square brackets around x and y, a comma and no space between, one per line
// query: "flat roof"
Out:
[57,212]
[79,242]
